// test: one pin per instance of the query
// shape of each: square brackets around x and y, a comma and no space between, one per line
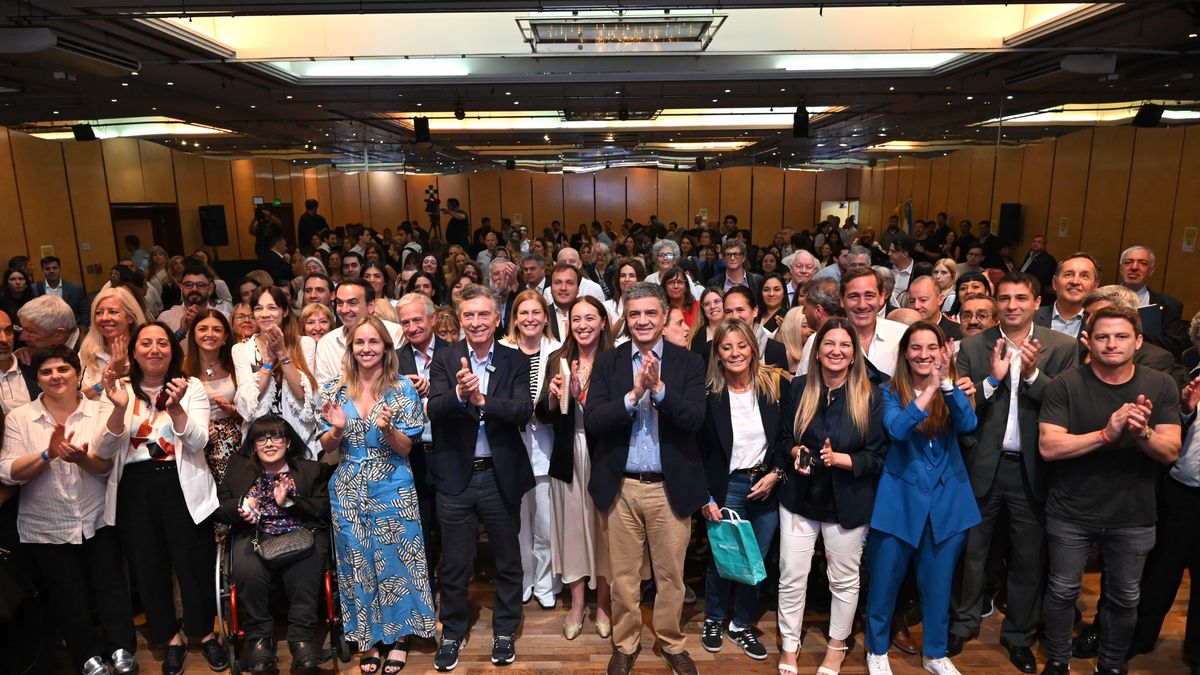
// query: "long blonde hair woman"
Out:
[793,332]
[115,314]
[945,272]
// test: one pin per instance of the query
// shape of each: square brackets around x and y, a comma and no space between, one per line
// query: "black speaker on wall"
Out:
[421,129]
[510,164]
[1149,115]
[800,124]
[1010,223]
[699,163]
[83,132]
[213,230]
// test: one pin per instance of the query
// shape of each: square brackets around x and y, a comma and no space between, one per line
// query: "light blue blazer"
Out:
[924,479]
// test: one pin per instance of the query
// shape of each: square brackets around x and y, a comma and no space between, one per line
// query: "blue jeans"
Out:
[764,518]
[1123,551]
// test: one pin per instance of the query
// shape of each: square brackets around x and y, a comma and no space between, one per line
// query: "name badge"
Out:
[490,368]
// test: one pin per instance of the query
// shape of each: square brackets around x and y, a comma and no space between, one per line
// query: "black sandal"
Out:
[393,666]
[365,661]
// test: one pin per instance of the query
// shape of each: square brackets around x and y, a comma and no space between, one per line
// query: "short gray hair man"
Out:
[46,320]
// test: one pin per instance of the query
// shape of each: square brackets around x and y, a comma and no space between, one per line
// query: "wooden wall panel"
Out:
[123,166]
[45,203]
[325,196]
[385,192]
[547,199]
[1150,208]
[939,188]
[282,175]
[299,190]
[875,196]
[218,183]
[1007,189]
[1107,190]
[868,210]
[245,190]
[735,194]
[673,198]
[610,200]
[10,201]
[1179,278]
[704,192]
[485,197]
[979,198]
[922,173]
[1037,170]
[853,182]
[831,187]
[641,196]
[158,172]
[191,192]
[516,194]
[346,197]
[90,210]
[310,190]
[579,202]
[1068,191]
[891,188]
[767,206]
[264,178]
[799,199]
[959,188]
[904,179]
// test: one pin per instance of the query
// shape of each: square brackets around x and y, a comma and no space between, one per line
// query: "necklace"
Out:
[209,368]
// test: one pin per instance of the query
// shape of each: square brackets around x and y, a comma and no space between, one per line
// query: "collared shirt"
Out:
[1012,430]
[882,352]
[903,278]
[1063,325]
[1144,297]
[730,283]
[1186,469]
[56,291]
[483,370]
[64,504]
[14,393]
[424,361]
[790,288]
[644,452]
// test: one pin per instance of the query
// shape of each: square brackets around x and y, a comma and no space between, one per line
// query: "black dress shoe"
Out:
[215,654]
[1021,657]
[1056,668]
[954,645]
[307,654]
[173,662]
[1087,644]
[1111,671]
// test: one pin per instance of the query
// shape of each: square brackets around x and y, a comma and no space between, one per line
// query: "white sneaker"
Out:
[877,664]
[942,666]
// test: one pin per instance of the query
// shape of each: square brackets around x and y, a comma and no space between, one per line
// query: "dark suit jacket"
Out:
[1058,353]
[1156,358]
[408,366]
[1041,268]
[552,317]
[455,425]
[73,295]
[562,456]
[1174,337]
[311,498]
[755,281]
[680,414]
[716,441]
[1044,316]
[279,269]
[952,329]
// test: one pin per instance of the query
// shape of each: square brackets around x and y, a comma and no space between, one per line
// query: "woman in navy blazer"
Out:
[923,504]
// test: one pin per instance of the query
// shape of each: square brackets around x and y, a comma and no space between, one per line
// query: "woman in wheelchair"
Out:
[270,491]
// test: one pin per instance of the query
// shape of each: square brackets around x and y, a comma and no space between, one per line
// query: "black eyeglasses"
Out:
[269,438]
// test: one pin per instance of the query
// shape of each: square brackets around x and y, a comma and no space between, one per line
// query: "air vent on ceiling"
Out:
[50,49]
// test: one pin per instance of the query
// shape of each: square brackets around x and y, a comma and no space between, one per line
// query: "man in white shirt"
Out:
[879,338]
[571,257]
[352,301]
[13,392]
[564,289]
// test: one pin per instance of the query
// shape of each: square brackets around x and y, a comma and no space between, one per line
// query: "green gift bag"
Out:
[735,549]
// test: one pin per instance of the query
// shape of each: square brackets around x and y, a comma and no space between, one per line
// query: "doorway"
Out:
[154,225]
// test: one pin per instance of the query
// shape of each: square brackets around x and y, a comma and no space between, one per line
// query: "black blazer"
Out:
[552,317]
[73,295]
[853,490]
[755,282]
[408,366]
[455,425]
[1174,337]
[680,415]
[279,269]
[716,442]
[311,502]
[1041,268]
[562,456]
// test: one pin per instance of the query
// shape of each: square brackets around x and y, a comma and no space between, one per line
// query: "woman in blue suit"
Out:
[924,504]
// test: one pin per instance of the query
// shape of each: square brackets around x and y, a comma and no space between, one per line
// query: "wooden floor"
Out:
[541,648]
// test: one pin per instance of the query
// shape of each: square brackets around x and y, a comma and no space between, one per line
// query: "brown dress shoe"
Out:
[621,664]
[681,663]
[901,639]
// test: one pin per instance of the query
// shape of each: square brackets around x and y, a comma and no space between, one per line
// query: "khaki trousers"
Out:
[641,515]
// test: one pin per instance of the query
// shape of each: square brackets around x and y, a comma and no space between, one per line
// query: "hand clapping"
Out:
[334,415]
[176,389]
[468,384]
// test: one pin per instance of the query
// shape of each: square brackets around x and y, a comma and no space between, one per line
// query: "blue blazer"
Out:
[924,479]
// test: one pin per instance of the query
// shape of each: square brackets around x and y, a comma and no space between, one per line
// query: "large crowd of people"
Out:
[955,426]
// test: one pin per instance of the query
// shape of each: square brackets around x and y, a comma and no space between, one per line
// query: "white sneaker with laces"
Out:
[878,664]
[941,666]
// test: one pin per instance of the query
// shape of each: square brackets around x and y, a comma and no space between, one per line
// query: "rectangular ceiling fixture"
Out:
[620,34]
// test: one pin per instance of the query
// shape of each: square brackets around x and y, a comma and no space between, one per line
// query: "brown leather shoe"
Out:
[621,664]
[901,639]
[681,663]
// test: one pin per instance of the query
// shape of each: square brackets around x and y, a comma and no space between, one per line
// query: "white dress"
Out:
[579,536]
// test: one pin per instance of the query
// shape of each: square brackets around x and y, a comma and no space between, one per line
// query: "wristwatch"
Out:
[781,475]
[1146,432]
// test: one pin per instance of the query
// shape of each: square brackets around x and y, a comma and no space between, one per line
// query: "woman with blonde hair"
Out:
[115,315]
[743,463]
[945,272]
[316,320]
[833,434]
[271,368]
[371,416]
[529,333]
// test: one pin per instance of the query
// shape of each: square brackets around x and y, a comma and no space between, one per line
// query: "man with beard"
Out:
[197,286]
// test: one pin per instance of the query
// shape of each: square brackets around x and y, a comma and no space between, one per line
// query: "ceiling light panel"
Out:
[1085,114]
[667,119]
[123,127]
[620,34]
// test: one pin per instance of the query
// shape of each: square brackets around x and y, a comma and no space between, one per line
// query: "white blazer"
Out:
[195,479]
[252,403]
[538,436]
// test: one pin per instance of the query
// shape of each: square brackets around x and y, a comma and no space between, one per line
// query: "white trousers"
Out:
[843,553]
[535,541]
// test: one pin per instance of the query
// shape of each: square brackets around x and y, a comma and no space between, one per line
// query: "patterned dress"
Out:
[383,579]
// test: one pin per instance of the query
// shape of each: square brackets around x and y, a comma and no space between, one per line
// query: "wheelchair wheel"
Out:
[227,604]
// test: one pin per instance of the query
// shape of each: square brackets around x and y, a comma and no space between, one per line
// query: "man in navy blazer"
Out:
[478,400]
[1137,267]
[645,402]
[71,293]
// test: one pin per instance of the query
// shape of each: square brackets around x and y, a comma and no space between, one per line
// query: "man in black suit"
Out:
[1010,364]
[274,260]
[415,358]
[1137,266]
[1040,265]
[741,304]
[71,293]
[478,400]
[1075,277]
[735,273]
[924,297]
[905,267]
[645,402]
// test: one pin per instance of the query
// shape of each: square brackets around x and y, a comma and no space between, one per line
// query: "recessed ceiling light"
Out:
[783,89]
[1009,97]
[124,84]
[516,103]
[319,105]
[253,107]
[114,100]
[508,93]
[154,108]
[172,84]
[726,91]
[218,107]
[714,100]
[1191,35]
[970,98]
[843,145]
[420,104]
[891,89]
[134,73]
[617,91]
[289,97]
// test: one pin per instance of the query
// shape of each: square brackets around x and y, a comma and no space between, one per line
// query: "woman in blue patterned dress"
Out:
[372,415]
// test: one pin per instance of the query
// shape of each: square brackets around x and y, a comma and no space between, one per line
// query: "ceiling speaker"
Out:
[800,124]
[699,163]
[421,129]
[83,132]
[1148,116]
[510,164]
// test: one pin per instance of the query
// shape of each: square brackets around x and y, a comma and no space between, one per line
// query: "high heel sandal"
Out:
[829,671]
[788,668]
[392,666]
